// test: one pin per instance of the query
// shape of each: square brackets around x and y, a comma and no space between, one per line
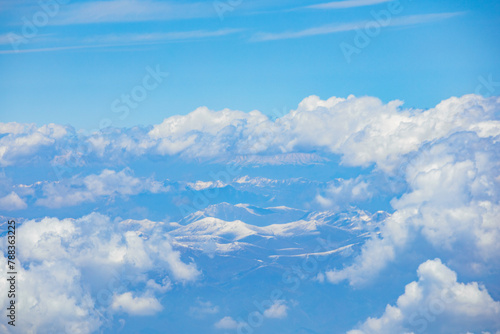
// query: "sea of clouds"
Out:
[437,171]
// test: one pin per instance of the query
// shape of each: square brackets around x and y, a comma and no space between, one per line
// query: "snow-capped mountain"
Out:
[248,213]
[315,233]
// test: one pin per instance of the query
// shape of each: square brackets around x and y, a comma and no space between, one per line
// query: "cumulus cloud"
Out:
[203,309]
[12,202]
[447,157]
[21,142]
[362,130]
[340,192]
[214,131]
[131,11]
[180,270]
[452,199]
[94,239]
[144,305]
[226,323]
[72,271]
[277,310]
[204,120]
[375,255]
[162,287]
[52,300]
[14,128]
[437,303]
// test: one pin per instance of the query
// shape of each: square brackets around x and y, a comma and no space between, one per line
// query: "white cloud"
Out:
[52,300]
[347,4]
[131,11]
[11,202]
[155,37]
[375,255]
[72,271]
[362,130]
[94,239]
[453,197]
[437,303]
[24,141]
[315,31]
[203,309]
[337,28]
[15,128]
[163,287]
[277,310]
[180,270]
[145,305]
[108,183]
[447,157]
[453,189]
[226,323]
[202,123]
[116,40]
[341,192]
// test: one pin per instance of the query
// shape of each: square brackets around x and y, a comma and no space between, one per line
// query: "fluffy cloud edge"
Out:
[136,305]
[362,130]
[439,303]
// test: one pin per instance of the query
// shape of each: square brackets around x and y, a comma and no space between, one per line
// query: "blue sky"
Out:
[89,53]
[278,167]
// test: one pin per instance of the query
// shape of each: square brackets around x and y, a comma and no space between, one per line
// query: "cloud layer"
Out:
[439,168]
[437,303]
[362,130]
[452,203]
[91,188]
[74,274]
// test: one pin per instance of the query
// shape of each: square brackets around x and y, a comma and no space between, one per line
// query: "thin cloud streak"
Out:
[347,4]
[121,11]
[161,36]
[56,48]
[336,28]
[131,39]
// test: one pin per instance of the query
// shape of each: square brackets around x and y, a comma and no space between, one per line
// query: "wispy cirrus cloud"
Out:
[160,36]
[117,40]
[347,4]
[336,28]
[117,11]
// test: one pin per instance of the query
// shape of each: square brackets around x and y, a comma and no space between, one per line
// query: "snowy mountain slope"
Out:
[317,234]
[250,214]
